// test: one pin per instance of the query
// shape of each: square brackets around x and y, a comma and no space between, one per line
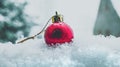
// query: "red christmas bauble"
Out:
[58,33]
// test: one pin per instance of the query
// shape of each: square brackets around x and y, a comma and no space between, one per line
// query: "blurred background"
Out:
[17,18]
[95,23]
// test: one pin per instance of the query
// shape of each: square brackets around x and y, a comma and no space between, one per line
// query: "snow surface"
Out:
[87,50]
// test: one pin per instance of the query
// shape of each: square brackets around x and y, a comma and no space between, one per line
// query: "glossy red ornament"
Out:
[58,33]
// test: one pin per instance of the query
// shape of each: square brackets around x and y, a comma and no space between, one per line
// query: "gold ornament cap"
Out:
[57,18]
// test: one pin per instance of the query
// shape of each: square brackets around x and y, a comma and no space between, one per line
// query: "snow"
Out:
[87,50]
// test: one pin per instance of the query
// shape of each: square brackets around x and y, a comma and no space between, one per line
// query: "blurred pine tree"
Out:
[13,21]
[108,21]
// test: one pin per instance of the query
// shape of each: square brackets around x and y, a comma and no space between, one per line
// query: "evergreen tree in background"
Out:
[13,21]
[108,21]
